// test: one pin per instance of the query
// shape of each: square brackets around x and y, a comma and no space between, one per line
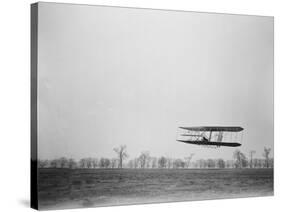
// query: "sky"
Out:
[117,76]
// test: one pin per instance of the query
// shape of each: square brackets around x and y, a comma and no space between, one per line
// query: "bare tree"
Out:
[83,163]
[113,162]
[201,163]
[188,159]
[252,152]
[229,164]
[72,163]
[43,163]
[88,162]
[220,163]
[122,154]
[211,163]
[162,162]
[104,163]
[178,163]
[54,163]
[240,159]
[143,159]
[63,162]
[266,152]
[95,162]
[258,163]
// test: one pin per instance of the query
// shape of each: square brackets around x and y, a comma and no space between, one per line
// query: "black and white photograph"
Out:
[136,106]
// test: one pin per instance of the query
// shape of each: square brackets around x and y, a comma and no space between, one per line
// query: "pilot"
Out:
[204,139]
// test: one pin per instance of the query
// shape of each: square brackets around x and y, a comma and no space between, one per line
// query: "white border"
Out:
[15,104]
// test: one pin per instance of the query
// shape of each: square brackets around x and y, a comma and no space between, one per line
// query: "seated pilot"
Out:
[204,139]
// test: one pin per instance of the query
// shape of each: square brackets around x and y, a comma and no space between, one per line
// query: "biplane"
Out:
[211,136]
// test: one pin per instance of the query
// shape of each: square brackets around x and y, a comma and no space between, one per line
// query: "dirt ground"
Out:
[66,188]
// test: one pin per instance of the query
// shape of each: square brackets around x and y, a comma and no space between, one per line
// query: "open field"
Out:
[70,188]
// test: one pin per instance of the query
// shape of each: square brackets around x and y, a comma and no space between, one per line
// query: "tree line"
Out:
[145,160]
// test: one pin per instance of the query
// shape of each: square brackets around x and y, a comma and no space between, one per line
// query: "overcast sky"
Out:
[110,76]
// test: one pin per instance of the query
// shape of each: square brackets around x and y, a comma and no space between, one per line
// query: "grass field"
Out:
[66,188]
